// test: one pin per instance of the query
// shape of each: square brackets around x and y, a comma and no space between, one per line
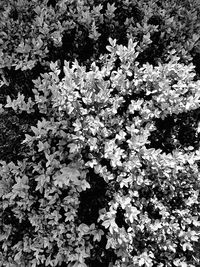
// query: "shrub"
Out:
[100,136]
[35,32]
[91,154]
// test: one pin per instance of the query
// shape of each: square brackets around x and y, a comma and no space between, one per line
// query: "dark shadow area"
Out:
[93,199]
[177,131]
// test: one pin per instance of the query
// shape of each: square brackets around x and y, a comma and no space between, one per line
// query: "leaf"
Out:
[195,37]
[85,185]
[110,48]
[61,180]
[35,130]
[28,139]
[41,179]
[9,102]
[111,8]
[42,146]
[107,223]
[180,263]
[187,246]
[145,259]
[3,188]
[74,148]
[97,236]
[97,9]
[198,127]
[84,228]
[112,41]
[67,175]
[53,66]
[94,34]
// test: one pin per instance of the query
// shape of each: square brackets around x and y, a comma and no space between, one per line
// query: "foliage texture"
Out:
[99,110]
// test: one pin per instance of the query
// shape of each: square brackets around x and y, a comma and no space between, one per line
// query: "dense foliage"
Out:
[100,138]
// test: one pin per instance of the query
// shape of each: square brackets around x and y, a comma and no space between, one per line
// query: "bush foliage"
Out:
[99,111]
